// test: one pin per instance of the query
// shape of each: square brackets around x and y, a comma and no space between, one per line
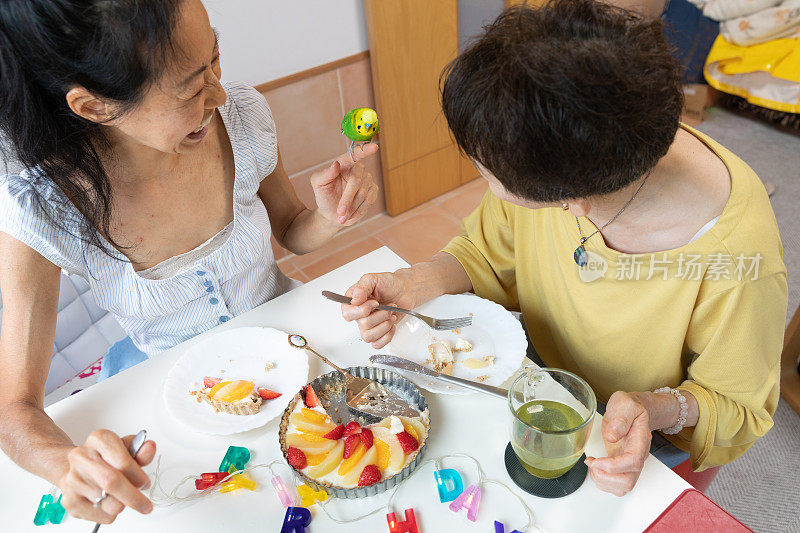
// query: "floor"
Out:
[414,235]
[761,488]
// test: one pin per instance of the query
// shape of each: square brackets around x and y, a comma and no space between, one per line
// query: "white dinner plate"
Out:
[494,331]
[241,353]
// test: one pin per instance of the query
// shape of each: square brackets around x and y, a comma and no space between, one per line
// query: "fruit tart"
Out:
[351,455]
[236,397]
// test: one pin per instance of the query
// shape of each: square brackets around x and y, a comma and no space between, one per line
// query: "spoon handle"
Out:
[310,349]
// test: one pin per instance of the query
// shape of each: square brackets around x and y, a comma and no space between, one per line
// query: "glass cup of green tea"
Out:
[551,418]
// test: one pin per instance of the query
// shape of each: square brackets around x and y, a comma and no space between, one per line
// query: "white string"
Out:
[168,499]
[531,523]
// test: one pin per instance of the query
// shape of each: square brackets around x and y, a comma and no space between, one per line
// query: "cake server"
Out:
[365,397]
[411,366]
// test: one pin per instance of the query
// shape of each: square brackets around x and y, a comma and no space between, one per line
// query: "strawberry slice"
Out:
[296,458]
[267,394]
[369,476]
[407,442]
[366,438]
[350,444]
[311,397]
[352,428]
[209,382]
[336,433]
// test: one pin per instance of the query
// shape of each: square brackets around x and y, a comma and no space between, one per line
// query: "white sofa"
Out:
[84,332]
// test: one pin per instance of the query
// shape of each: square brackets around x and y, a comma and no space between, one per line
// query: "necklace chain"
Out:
[584,239]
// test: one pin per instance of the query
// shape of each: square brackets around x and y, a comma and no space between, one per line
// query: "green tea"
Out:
[547,455]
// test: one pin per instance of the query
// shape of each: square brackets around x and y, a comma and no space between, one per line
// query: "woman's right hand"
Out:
[395,289]
[104,463]
[407,288]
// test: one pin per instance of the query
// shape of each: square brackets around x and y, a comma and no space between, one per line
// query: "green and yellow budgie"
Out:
[360,125]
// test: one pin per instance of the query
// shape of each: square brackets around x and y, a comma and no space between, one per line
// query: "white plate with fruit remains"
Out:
[235,381]
[489,351]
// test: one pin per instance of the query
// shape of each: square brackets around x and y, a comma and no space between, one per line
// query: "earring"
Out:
[565,206]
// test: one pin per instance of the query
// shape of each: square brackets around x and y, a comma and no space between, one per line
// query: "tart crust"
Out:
[250,407]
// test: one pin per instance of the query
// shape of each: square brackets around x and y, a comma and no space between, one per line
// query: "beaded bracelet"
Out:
[684,410]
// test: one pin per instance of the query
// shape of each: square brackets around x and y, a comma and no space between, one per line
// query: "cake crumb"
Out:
[269,366]
[456,331]
[482,378]
[462,345]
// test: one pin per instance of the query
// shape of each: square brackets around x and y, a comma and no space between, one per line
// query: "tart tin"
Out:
[330,388]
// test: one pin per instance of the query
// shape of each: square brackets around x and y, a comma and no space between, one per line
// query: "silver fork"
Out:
[434,323]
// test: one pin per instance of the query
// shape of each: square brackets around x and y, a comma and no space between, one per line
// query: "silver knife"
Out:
[410,366]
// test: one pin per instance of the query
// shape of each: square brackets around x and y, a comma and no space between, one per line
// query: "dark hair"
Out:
[114,49]
[570,100]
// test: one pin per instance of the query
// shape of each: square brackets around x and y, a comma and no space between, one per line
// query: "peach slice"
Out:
[309,447]
[315,416]
[330,462]
[314,460]
[231,391]
[369,458]
[304,424]
[396,455]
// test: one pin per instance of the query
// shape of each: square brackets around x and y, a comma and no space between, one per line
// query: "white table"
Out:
[473,424]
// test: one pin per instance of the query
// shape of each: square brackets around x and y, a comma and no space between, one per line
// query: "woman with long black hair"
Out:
[152,180]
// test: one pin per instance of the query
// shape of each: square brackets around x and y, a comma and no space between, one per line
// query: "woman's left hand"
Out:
[345,190]
[626,433]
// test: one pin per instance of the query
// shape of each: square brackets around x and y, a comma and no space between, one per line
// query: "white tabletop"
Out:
[474,424]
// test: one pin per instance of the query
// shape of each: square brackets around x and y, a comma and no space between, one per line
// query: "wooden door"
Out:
[410,43]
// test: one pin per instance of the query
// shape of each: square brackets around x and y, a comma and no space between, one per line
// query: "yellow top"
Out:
[708,316]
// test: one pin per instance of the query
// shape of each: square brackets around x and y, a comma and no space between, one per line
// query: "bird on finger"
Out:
[360,125]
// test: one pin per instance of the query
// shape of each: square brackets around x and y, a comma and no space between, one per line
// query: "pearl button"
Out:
[210,289]
[214,301]
[207,283]
[201,273]
[224,318]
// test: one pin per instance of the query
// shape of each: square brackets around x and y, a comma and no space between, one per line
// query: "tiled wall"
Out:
[308,114]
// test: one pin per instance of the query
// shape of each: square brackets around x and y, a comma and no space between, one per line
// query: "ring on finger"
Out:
[99,499]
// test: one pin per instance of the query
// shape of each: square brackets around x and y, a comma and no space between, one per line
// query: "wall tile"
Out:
[308,114]
[356,81]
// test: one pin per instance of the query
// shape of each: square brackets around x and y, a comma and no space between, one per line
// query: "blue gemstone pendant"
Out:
[580,256]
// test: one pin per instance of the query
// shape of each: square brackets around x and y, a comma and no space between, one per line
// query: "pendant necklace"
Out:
[580,252]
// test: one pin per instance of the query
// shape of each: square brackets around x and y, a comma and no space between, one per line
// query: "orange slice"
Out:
[397,457]
[383,455]
[368,458]
[351,461]
[414,427]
